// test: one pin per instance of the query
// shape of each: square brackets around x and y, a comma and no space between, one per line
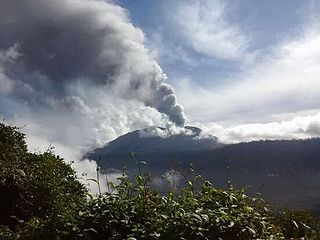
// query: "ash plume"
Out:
[62,48]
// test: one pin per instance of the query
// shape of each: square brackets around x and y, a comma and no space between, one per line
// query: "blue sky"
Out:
[263,24]
[242,70]
[77,74]
[210,49]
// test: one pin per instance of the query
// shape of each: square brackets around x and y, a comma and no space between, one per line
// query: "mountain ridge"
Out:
[158,139]
[285,172]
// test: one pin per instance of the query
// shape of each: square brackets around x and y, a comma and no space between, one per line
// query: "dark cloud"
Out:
[67,41]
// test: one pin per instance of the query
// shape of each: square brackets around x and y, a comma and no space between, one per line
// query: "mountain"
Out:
[157,139]
[286,172]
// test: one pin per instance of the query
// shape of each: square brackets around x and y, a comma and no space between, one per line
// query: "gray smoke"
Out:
[55,46]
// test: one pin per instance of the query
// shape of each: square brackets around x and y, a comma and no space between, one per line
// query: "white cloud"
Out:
[285,82]
[87,82]
[81,123]
[169,130]
[85,169]
[104,49]
[204,27]
[88,121]
[296,128]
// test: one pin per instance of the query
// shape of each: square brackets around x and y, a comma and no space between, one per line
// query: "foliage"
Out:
[41,198]
[137,212]
[298,224]
[40,195]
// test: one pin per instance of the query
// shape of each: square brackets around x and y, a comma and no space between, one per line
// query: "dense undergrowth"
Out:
[41,198]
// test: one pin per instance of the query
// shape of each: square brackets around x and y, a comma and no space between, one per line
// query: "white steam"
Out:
[63,44]
[76,74]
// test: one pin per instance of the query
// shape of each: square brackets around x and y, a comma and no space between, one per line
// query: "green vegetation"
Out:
[41,198]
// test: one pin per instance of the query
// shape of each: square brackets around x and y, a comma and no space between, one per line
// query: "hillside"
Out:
[157,139]
[285,172]
[41,198]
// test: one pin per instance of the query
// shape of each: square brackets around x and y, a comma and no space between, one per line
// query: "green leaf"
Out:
[139,179]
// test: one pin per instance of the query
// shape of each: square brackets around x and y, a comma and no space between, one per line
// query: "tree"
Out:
[38,191]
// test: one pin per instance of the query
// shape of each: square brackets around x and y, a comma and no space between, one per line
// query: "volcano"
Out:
[158,139]
[285,172]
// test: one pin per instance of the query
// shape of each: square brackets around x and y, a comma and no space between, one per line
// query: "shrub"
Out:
[298,224]
[137,212]
[41,198]
[40,194]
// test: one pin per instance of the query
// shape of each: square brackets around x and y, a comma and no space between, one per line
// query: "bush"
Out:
[41,198]
[38,191]
[136,212]
[298,224]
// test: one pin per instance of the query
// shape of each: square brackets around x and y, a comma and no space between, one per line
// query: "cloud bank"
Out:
[63,44]
[282,83]
[300,127]
[76,74]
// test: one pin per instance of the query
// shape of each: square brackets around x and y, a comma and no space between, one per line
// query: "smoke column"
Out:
[76,74]
[52,49]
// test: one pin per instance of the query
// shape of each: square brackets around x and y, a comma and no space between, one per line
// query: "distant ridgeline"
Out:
[42,198]
[285,172]
[157,139]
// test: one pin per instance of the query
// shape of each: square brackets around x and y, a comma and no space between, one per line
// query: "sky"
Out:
[240,65]
[79,73]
